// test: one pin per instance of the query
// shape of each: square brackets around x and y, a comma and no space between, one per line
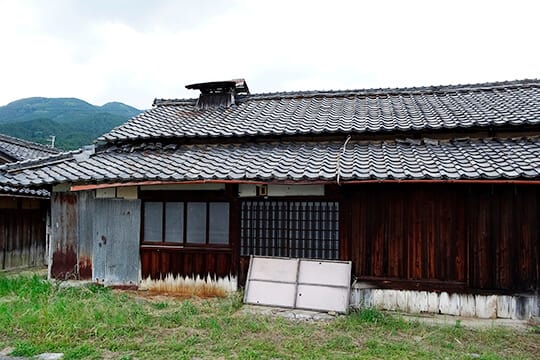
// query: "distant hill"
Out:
[74,122]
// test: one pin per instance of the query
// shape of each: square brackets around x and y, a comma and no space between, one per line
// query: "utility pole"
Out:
[52,138]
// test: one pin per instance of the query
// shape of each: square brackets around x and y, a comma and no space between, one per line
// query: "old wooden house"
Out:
[432,192]
[23,211]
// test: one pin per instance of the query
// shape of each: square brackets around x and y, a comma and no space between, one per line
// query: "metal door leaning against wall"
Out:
[116,242]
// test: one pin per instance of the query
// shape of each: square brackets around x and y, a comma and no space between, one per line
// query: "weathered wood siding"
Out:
[193,263]
[22,232]
[451,236]
[504,240]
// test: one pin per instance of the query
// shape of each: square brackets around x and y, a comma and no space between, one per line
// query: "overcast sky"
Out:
[136,50]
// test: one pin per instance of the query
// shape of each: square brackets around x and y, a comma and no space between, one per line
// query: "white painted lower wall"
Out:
[189,285]
[519,307]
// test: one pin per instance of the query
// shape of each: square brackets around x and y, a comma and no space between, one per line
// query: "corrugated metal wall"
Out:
[64,235]
[86,213]
[95,239]
[116,241]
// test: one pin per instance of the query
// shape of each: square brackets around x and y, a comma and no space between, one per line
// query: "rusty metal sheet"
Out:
[64,235]
[84,245]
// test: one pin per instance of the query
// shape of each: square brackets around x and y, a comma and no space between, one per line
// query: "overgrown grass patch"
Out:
[93,322]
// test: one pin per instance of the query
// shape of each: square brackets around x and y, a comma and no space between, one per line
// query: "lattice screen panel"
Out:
[304,229]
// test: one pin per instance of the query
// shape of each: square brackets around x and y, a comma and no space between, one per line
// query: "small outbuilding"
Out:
[23,211]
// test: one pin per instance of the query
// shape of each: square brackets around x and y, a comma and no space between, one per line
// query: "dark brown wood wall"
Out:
[475,237]
[22,235]
[157,263]
[453,237]
[504,241]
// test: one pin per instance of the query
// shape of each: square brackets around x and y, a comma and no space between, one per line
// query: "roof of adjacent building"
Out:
[488,105]
[489,158]
[19,149]
[467,132]
[23,191]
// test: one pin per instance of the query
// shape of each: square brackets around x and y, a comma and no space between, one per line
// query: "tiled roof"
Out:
[9,190]
[19,149]
[508,104]
[491,158]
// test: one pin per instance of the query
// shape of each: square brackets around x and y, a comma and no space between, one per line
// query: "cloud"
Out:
[135,50]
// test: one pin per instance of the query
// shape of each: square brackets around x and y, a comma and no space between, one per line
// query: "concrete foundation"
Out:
[517,307]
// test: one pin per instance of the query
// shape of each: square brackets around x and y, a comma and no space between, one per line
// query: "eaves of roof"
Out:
[24,192]
[353,161]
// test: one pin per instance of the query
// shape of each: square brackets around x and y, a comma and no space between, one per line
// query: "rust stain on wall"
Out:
[64,220]
[64,264]
[85,267]
[69,199]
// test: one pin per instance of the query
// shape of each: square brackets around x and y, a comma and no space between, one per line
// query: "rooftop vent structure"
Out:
[219,93]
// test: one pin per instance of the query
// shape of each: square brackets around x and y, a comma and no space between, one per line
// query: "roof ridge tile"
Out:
[382,91]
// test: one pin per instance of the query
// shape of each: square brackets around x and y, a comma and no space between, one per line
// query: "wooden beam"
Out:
[304,182]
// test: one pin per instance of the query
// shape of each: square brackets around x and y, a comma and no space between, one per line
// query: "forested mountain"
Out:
[73,122]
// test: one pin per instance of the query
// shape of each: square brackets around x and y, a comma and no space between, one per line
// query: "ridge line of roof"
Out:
[17,191]
[158,146]
[369,91]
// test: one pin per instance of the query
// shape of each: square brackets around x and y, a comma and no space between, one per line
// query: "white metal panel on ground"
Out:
[299,283]
[283,270]
[325,273]
[315,297]
[271,293]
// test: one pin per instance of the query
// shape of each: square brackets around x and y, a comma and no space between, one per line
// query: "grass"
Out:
[94,323]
